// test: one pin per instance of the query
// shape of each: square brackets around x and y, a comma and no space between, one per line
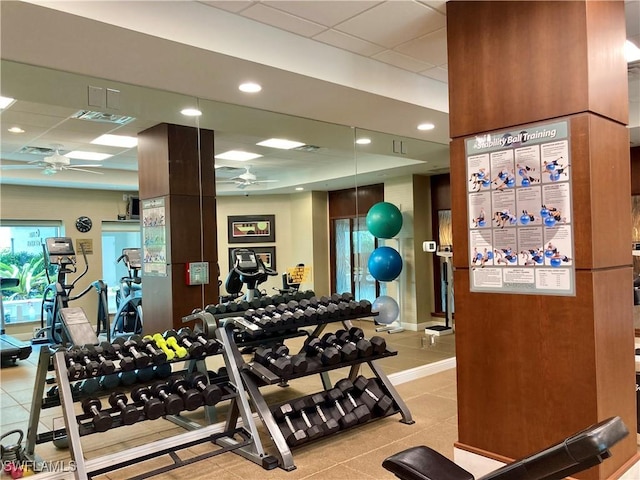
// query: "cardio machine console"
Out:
[246,260]
[133,255]
[60,250]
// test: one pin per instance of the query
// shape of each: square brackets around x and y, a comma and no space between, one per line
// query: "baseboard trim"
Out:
[422,371]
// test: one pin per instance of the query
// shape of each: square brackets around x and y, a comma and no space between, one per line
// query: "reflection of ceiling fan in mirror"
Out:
[53,164]
[245,180]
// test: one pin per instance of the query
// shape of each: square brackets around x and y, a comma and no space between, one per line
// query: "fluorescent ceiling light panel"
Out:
[631,52]
[191,112]
[237,156]
[15,130]
[116,141]
[426,126]
[280,143]
[87,155]
[299,189]
[363,141]
[249,87]
[5,102]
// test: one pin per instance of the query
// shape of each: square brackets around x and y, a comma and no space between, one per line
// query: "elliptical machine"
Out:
[128,319]
[59,323]
[248,270]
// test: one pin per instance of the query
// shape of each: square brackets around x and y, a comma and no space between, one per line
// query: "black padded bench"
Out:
[578,452]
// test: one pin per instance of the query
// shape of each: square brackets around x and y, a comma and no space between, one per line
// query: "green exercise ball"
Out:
[384,220]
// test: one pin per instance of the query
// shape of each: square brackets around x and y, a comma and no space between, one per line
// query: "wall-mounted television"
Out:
[133,208]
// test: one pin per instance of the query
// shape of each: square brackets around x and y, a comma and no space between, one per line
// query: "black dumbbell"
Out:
[173,403]
[191,397]
[329,424]
[363,346]
[378,343]
[298,362]
[107,367]
[91,367]
[347,350]
[297,436]
[328,355]
[312,431]
[210,393]
[153,407]
[196,350]
[101,421]
[345,419]
[140,359]
[75,370]
[266,356]
[362,411]
[211,346]
[158,356]
[128,413]
[378,400]
[114,351]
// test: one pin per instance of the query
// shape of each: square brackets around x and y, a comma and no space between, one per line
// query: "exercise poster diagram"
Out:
[519,199]
[154,237]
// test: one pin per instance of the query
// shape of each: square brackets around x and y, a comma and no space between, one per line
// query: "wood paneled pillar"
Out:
[176,164]
[533,369]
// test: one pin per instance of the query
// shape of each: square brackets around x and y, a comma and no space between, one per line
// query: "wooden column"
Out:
[533,369]
[177,165]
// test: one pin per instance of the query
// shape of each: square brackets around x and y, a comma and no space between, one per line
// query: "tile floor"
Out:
[355,454]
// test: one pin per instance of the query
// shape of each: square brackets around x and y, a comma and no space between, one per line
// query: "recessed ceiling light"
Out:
[191,112]
[280,143]
[116,141]
[363,141]
[299,189]
[249,87]
[5,102]
[631,51]
[15,130]
[237,155]
[87,155]
[426,126]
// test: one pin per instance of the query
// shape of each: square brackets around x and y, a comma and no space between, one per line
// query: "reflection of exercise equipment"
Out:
[128,318]
[447,276]
[247,269]
[578,452]
[11,349]
[290,285]
[59,323]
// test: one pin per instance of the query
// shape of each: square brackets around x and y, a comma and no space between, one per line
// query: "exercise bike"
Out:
[61,324]
[128,319]
[247,270]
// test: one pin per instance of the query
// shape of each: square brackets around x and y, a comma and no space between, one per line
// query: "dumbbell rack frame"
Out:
[255,376]
[241,439]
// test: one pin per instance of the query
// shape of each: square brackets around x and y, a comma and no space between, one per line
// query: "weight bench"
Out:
[578,452]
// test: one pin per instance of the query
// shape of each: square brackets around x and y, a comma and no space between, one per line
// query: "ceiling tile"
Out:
[401,61]
[437,73]
[440,5]
[328,13]
[277,18]
[24,119]
[392,23]
[431,48]
[347,42]
[231,6]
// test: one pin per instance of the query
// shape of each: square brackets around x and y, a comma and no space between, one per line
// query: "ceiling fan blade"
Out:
[83,170]
[19,167]
[89,165]
[264,181]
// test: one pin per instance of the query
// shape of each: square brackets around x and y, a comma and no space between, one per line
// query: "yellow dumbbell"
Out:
[162,344]
[172,342]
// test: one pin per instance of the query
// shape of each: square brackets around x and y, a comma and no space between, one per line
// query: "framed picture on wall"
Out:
[266,254]
[251,228]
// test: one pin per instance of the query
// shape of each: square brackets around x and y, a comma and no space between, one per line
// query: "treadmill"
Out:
[11,349]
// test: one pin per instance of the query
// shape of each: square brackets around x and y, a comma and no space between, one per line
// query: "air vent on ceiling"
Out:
[44,151]
[307,148]
[102,117]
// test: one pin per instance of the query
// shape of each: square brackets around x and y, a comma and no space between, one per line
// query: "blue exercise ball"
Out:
[384,220]
[526,182]
[386,308]
[549,221]
[385,264]
[556,262]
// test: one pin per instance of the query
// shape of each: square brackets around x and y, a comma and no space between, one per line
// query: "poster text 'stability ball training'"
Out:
[384,220]
[385,264]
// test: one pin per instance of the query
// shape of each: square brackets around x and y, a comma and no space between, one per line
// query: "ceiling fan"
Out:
[245,180]
[53,164]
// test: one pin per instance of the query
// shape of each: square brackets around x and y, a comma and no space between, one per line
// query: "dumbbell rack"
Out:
[243,440]
[255,376]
